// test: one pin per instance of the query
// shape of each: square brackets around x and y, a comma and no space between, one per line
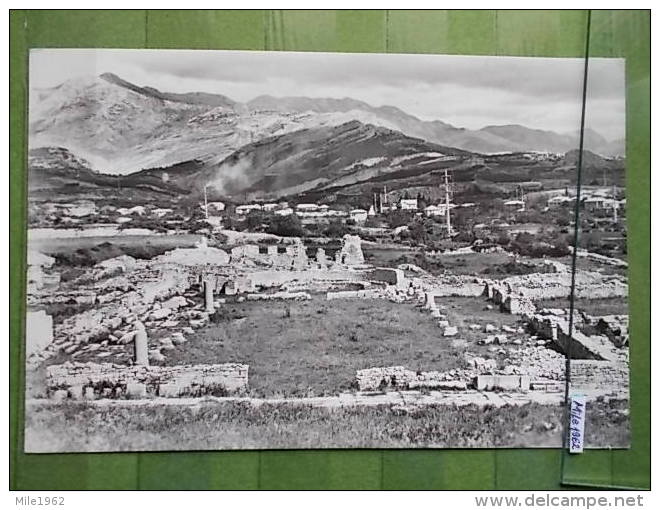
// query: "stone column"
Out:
[141,345]
[208,296]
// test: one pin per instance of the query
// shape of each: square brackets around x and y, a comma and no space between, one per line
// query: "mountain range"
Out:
[284,145]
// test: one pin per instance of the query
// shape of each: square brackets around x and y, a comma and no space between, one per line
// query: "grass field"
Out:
[84,427]
[315,347]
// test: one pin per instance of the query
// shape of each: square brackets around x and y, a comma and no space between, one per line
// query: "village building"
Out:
[128,211]
[435,210]
[514,205]
[216,206]
[287,211]
[408,204]
[307,207]
[161,212]
[247,208]
[358,215]
[560,201]
[599,203]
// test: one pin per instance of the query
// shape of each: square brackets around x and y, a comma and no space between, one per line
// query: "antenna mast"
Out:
[447,202]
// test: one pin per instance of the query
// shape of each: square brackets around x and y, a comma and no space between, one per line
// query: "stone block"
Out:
[76,392]
[169,390]
[59,395]
[502,382]
[136,390]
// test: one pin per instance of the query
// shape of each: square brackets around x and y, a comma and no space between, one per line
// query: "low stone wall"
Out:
[452,286]
[555,328]
[95,380]
[354,294]
[275,296]
[373,379]
[388,276]
[538,286]
[601,376]
[502,382]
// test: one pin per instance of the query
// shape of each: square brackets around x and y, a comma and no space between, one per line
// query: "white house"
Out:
[216,206]
[358,215]
[435,210]
[307,207]
[408,204]
[517,205]
[597,203]
[160,212]
[287,211]
[248,208]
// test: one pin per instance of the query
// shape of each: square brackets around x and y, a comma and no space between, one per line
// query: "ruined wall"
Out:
[453,286]
[581,346]
[350,253]
[388,276]
[378,378]
[288,256]
[537,286]
[502,382]
[95,380]
[600,376]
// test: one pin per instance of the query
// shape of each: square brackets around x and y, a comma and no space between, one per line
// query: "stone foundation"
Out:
[118,381]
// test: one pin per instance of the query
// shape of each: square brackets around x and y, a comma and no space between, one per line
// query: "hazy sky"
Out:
[471,92]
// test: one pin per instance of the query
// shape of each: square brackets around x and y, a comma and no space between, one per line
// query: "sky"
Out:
[465,91]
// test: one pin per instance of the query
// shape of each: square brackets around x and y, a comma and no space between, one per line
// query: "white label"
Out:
[576,422]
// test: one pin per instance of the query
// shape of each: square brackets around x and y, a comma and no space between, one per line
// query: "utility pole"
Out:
[206,202]
[447,215]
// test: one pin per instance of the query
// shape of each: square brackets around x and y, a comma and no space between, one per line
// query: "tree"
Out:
[287,226]
[336,228]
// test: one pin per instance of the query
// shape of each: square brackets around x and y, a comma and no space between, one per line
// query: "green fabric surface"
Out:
[524,33]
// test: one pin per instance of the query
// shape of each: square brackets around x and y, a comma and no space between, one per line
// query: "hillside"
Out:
[322,158]
[120,127]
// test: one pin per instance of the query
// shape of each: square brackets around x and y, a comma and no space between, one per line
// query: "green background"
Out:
[523,33]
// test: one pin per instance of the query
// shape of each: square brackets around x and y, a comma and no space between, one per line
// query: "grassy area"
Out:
[209,426]
[315,347]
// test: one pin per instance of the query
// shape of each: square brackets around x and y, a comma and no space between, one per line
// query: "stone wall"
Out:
[600,376]
[378,378]
[388,276]
[555,328]
[502,382]
[538,286]
[96,380]
[350,253]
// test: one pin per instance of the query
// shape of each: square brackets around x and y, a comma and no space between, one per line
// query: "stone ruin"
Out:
[107,380]
[350,253]
[289,256]
[550,326]
[374,379]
